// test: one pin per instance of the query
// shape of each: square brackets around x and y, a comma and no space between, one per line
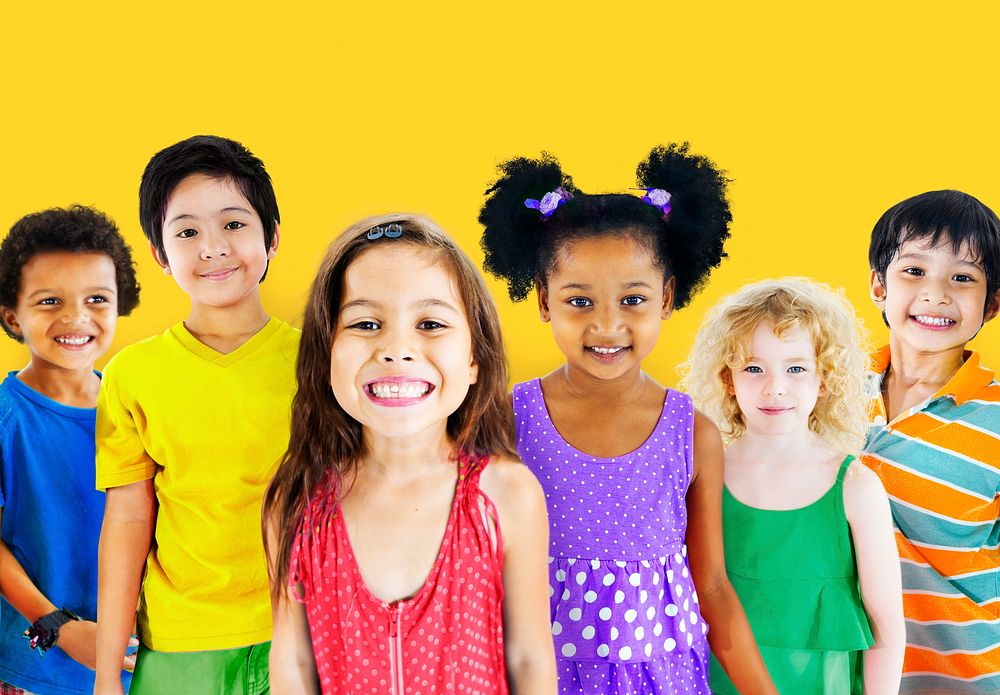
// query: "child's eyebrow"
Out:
[420,304]
[183,216]
[189,216]
[626,286]
[435,303]
[98,288]
[756,358]
[925,257]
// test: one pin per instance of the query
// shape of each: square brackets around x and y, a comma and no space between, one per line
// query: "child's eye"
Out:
[430,325]
[754,369]
[579,302]
[916,272]
[796,370]
[235,225]
[633,300]
[365,326]
[97,299]
[49,301]
[186,233]
[961,277]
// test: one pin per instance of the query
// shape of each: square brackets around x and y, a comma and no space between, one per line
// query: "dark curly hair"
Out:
[213,156]
[522,248]
[77,229]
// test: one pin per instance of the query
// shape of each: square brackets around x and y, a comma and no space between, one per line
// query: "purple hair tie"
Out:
[549,202]
[658,198]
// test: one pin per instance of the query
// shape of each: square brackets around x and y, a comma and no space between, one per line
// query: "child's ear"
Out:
[876,286]
[543,302]
[727,380]
[10,318]
[473,370]
[668,298]
[992,307]
[159,261]
[272,250]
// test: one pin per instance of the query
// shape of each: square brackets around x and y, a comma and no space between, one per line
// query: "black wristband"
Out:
[44,632]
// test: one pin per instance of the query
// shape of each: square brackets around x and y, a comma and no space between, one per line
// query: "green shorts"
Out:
[241,671]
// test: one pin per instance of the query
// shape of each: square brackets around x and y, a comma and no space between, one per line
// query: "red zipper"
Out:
[395,649]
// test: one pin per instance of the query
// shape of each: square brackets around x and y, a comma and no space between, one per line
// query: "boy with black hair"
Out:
[66,275]
[935,434]
[191,426]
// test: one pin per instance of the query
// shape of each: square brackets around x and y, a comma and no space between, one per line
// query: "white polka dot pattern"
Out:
[620,590]
[447,638]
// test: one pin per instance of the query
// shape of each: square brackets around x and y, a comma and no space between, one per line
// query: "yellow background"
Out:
[823,116]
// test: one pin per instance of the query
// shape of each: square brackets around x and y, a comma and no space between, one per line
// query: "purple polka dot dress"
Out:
[624,610]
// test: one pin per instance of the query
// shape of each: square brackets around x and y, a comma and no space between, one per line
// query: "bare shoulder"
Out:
[864,494]
[512,487]
[704,429]
[708,451]
[861,477]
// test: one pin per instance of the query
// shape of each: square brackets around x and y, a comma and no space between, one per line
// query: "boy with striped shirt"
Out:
[935,434]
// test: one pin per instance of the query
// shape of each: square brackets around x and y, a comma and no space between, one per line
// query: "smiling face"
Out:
[605,299]
[67,309]
[933,297]
[779,386]
[214,242]
[401,361]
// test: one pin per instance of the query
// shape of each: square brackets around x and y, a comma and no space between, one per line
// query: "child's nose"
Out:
[607,319]
[394,347]
[73,315]
[775,385]
[214,246]
[935,291]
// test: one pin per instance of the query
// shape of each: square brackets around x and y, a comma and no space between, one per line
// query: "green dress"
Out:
[795,573]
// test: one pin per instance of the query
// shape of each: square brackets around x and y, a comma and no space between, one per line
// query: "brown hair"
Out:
[326,444]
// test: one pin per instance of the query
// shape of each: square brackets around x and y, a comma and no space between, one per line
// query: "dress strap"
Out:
[848,460]
[484,512]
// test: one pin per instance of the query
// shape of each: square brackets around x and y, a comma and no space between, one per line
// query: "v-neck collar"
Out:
[213,356]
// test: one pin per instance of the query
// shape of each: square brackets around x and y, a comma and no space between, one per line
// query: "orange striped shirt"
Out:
[940,464]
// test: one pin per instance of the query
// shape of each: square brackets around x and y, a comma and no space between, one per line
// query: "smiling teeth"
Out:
[607,350]
[405,390]
[83,340]
[933,320]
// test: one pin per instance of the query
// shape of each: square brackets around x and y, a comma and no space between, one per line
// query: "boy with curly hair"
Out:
[66,275]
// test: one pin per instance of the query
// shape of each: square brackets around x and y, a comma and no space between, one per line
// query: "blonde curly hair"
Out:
[841,413]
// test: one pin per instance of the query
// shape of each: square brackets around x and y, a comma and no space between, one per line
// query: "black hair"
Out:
[937,216]
[213,156]
[77,229]
[522,248]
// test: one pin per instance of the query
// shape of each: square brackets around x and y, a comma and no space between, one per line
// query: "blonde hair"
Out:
[841,413]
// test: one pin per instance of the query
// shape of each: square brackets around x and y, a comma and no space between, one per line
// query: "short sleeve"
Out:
[121,455]
[3,477]
[5,425]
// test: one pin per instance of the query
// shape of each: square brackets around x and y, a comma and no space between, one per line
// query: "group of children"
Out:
[345,509]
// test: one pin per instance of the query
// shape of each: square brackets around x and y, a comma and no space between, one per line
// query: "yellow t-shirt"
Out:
[210,430]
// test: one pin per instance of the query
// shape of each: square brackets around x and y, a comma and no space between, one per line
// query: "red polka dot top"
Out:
[447,638]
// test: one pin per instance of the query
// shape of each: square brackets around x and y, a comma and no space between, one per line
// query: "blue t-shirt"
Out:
[51,523]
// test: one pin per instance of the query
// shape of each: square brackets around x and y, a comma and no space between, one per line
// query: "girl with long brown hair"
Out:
[406,543]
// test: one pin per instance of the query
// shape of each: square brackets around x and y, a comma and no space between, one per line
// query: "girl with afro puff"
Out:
[631,471]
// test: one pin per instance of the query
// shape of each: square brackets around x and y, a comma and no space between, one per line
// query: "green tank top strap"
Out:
[848,460]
